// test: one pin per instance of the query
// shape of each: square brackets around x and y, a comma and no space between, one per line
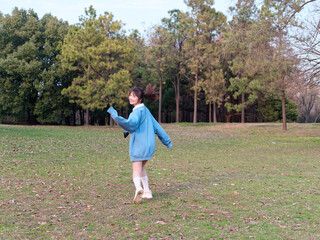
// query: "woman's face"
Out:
[133,99]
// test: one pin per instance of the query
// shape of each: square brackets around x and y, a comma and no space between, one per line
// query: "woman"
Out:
[142,126]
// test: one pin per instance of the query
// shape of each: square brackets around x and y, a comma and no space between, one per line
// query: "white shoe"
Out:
[147,195]
[137,197]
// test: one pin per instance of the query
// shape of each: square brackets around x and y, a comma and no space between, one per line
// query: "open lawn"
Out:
[223,181]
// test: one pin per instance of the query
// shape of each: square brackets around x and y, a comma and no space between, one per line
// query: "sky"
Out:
[136,14]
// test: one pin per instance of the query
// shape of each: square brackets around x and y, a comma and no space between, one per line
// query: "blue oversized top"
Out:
[142,126]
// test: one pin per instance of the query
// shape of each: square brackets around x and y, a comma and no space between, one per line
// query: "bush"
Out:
[271,110]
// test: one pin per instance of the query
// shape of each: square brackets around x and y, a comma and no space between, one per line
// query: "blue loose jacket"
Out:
[142,126]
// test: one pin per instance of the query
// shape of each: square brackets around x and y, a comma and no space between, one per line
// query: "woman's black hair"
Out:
[150,93]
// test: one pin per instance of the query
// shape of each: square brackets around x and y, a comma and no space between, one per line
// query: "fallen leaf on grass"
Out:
[160,222]
[12,201]
[282,226]
[233,230]
[42,223]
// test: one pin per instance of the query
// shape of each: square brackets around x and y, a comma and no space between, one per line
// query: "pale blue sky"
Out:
[136,14]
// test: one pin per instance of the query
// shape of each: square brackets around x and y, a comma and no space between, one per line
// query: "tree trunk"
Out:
[160,99]
[210,112]
[31,117]
[316,118]
[242,111]
[195,105]
[214,112]
[178,99]
[284,116]
[87,110]
[87,117]
[74,117]
[82,117]
[67,120]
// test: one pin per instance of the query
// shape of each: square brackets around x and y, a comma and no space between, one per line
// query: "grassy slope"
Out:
[227,181]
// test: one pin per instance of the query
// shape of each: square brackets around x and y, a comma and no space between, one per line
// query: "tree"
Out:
[157,57]
[102,55]
[140,68]
[306,91]
[19,51]
[28,85]
[307,97]
[177,28]
[307,42]
[214,87]
[202,20]
[281,15]
[51,105]
[246,47]
[212,80]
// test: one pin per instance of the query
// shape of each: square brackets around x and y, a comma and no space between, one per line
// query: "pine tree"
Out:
[102,56]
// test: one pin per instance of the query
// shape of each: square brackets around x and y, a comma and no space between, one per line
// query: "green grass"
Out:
[219,181]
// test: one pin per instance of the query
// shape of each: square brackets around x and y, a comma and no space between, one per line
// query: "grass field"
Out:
[223,181]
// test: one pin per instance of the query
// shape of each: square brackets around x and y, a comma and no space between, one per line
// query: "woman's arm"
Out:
[162,135]
[130,124]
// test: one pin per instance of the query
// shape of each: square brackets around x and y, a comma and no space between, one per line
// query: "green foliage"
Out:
[206,24]
[271,110]
[140,70]
[51,105]
[246,45]
[100,53]
[20,42]
[236,65]
[30,78]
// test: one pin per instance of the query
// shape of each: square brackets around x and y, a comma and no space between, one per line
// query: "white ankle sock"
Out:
[145,183]
[137,182]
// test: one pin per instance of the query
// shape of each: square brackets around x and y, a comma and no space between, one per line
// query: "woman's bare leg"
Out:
[136,169]
[143,170]
[136,176]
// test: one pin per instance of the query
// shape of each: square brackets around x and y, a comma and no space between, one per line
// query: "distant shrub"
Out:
[271,110]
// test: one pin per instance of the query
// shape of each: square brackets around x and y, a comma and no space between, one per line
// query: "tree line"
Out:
[205,68]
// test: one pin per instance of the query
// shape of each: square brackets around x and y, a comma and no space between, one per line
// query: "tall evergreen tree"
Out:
[102,55]
[205,26]
[240,43]
[157,58]
[177,28]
